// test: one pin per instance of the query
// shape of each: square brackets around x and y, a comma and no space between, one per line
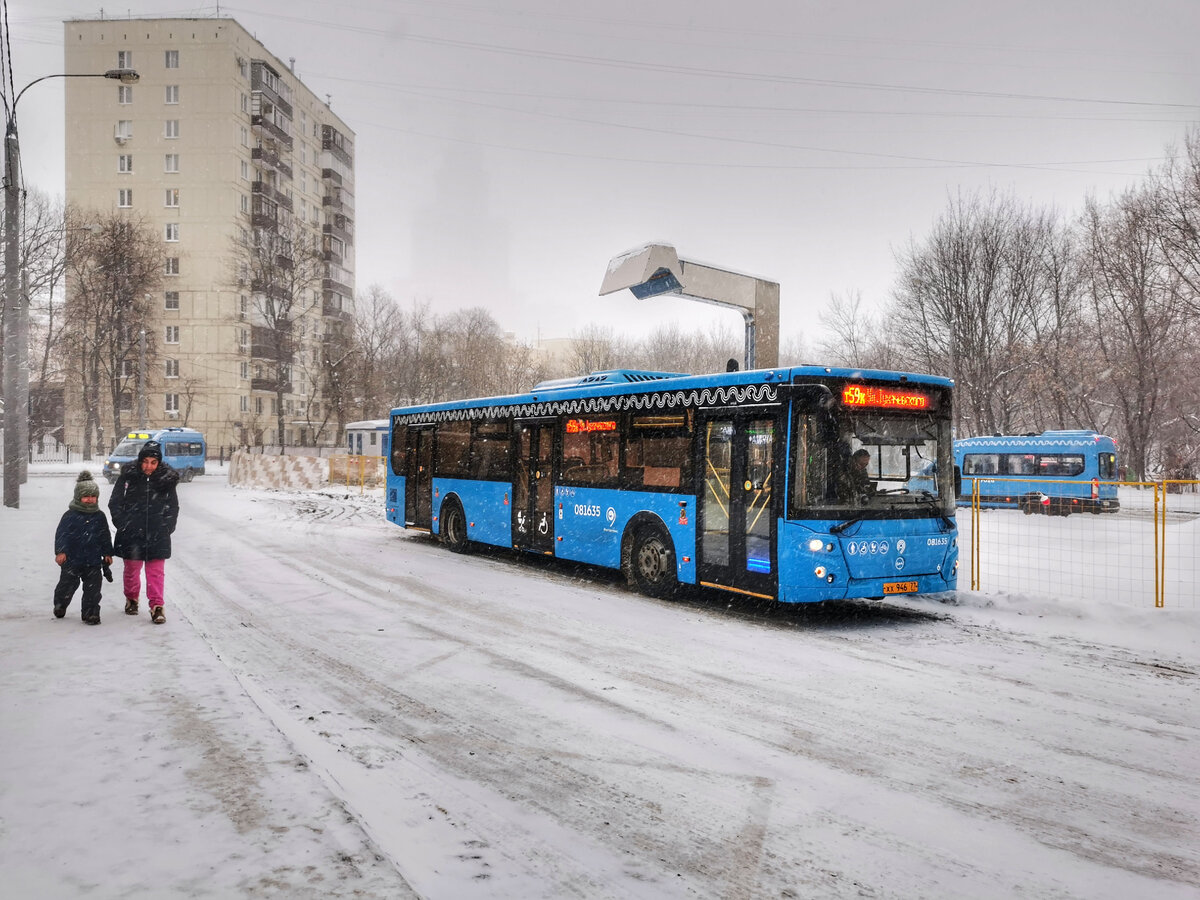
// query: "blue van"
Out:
[183,449]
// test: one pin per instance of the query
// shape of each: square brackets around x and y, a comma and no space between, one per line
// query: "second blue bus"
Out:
[1055,472]
[788,484]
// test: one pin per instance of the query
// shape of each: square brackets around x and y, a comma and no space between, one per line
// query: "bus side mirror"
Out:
[809,398]
[957,481]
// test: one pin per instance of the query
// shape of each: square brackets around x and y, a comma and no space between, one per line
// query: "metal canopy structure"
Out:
[655,270]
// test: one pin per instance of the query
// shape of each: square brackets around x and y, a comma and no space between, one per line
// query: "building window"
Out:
[124,94]
[125,197]
[171,162]
[245,305]
[171,265]
[245,370]
[171,128]
[245,137]
[171,94]
[125,163]
[171,300]
[171,60]
[172,334]
[171,197]
[258,405]
[244,404]
[172,403]
[245,170]
[127,368]
[245,104]
[171,232]
[124,59]
[243,338]
[124,130]
[171,367]
[245,204]
[126,402]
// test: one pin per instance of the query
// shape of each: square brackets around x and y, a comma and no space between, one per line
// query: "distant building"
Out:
[216,139]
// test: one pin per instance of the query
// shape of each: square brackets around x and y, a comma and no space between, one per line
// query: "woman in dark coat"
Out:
[144,510]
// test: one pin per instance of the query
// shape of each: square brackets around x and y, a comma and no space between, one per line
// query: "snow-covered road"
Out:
[515,728]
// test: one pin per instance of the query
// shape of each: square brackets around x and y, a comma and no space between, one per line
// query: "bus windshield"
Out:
[871,463]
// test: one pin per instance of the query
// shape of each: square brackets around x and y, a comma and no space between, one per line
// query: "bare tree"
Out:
[1138,304]
[43,258]
[963,306]
[113,261]
[378,334]
[280,261]
[1176,216]
[595,348]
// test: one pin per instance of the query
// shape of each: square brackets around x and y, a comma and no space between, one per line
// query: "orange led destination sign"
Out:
[580,426]
[886,397]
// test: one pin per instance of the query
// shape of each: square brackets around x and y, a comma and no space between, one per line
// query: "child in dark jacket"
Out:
[83,549]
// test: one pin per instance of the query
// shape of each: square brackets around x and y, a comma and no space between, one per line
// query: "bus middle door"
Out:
[736,528]
[533,491]
[418,482]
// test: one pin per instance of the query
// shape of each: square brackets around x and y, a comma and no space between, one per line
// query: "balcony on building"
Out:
[264,80]
[337,145]
[341,226]
[269,190]
[335,305]
[265,342]
[333,249]
[268,156]
[269,384]
[339,200]
[264,212]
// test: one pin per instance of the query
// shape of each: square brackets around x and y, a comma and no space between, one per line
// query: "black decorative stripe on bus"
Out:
[735,395]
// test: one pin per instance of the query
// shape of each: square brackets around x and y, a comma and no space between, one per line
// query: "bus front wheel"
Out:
[652,561]
[454,528]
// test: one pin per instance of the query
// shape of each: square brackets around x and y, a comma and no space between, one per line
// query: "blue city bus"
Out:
[739,481]
[1055,472]
[184,449]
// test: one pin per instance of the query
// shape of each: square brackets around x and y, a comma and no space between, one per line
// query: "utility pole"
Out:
[16,403]
[141,382]
[16,318]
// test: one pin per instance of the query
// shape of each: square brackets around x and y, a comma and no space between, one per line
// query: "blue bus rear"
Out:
[1055,472]
[184,449]
[737,481]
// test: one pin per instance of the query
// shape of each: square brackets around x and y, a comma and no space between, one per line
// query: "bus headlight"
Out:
[819,571]
[815,545]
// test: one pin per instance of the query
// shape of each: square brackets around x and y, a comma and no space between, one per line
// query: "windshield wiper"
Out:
[842,526]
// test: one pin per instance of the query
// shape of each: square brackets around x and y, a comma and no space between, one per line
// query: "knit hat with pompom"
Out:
[85,486]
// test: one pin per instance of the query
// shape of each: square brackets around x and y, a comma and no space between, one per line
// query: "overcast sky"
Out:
[507,149]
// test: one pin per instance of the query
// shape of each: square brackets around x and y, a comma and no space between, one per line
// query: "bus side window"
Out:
[453,449]
[981,464]
[1071,465]
[658,452]
[399,438]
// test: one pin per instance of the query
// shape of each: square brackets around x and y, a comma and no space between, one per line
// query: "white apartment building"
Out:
[217,138]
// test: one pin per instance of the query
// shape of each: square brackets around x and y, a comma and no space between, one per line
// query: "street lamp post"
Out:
[16,313]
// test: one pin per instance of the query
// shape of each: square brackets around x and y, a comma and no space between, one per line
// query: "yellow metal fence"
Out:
[1142,555]
[356,471]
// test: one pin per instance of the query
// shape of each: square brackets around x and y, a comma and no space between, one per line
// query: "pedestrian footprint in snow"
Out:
[144,509]
[83,550]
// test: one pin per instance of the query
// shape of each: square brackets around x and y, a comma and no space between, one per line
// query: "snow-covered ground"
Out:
[337,708]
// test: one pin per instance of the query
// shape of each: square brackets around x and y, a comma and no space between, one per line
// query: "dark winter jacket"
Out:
[144,511]
[83,537]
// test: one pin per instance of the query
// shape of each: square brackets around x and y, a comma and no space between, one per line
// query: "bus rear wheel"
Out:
[454,528]
[652,561]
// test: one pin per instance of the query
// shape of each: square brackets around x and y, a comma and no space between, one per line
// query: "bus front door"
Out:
[736,545]
[533,492]
[418,482]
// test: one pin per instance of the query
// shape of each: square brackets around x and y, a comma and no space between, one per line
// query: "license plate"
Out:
[899,587]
